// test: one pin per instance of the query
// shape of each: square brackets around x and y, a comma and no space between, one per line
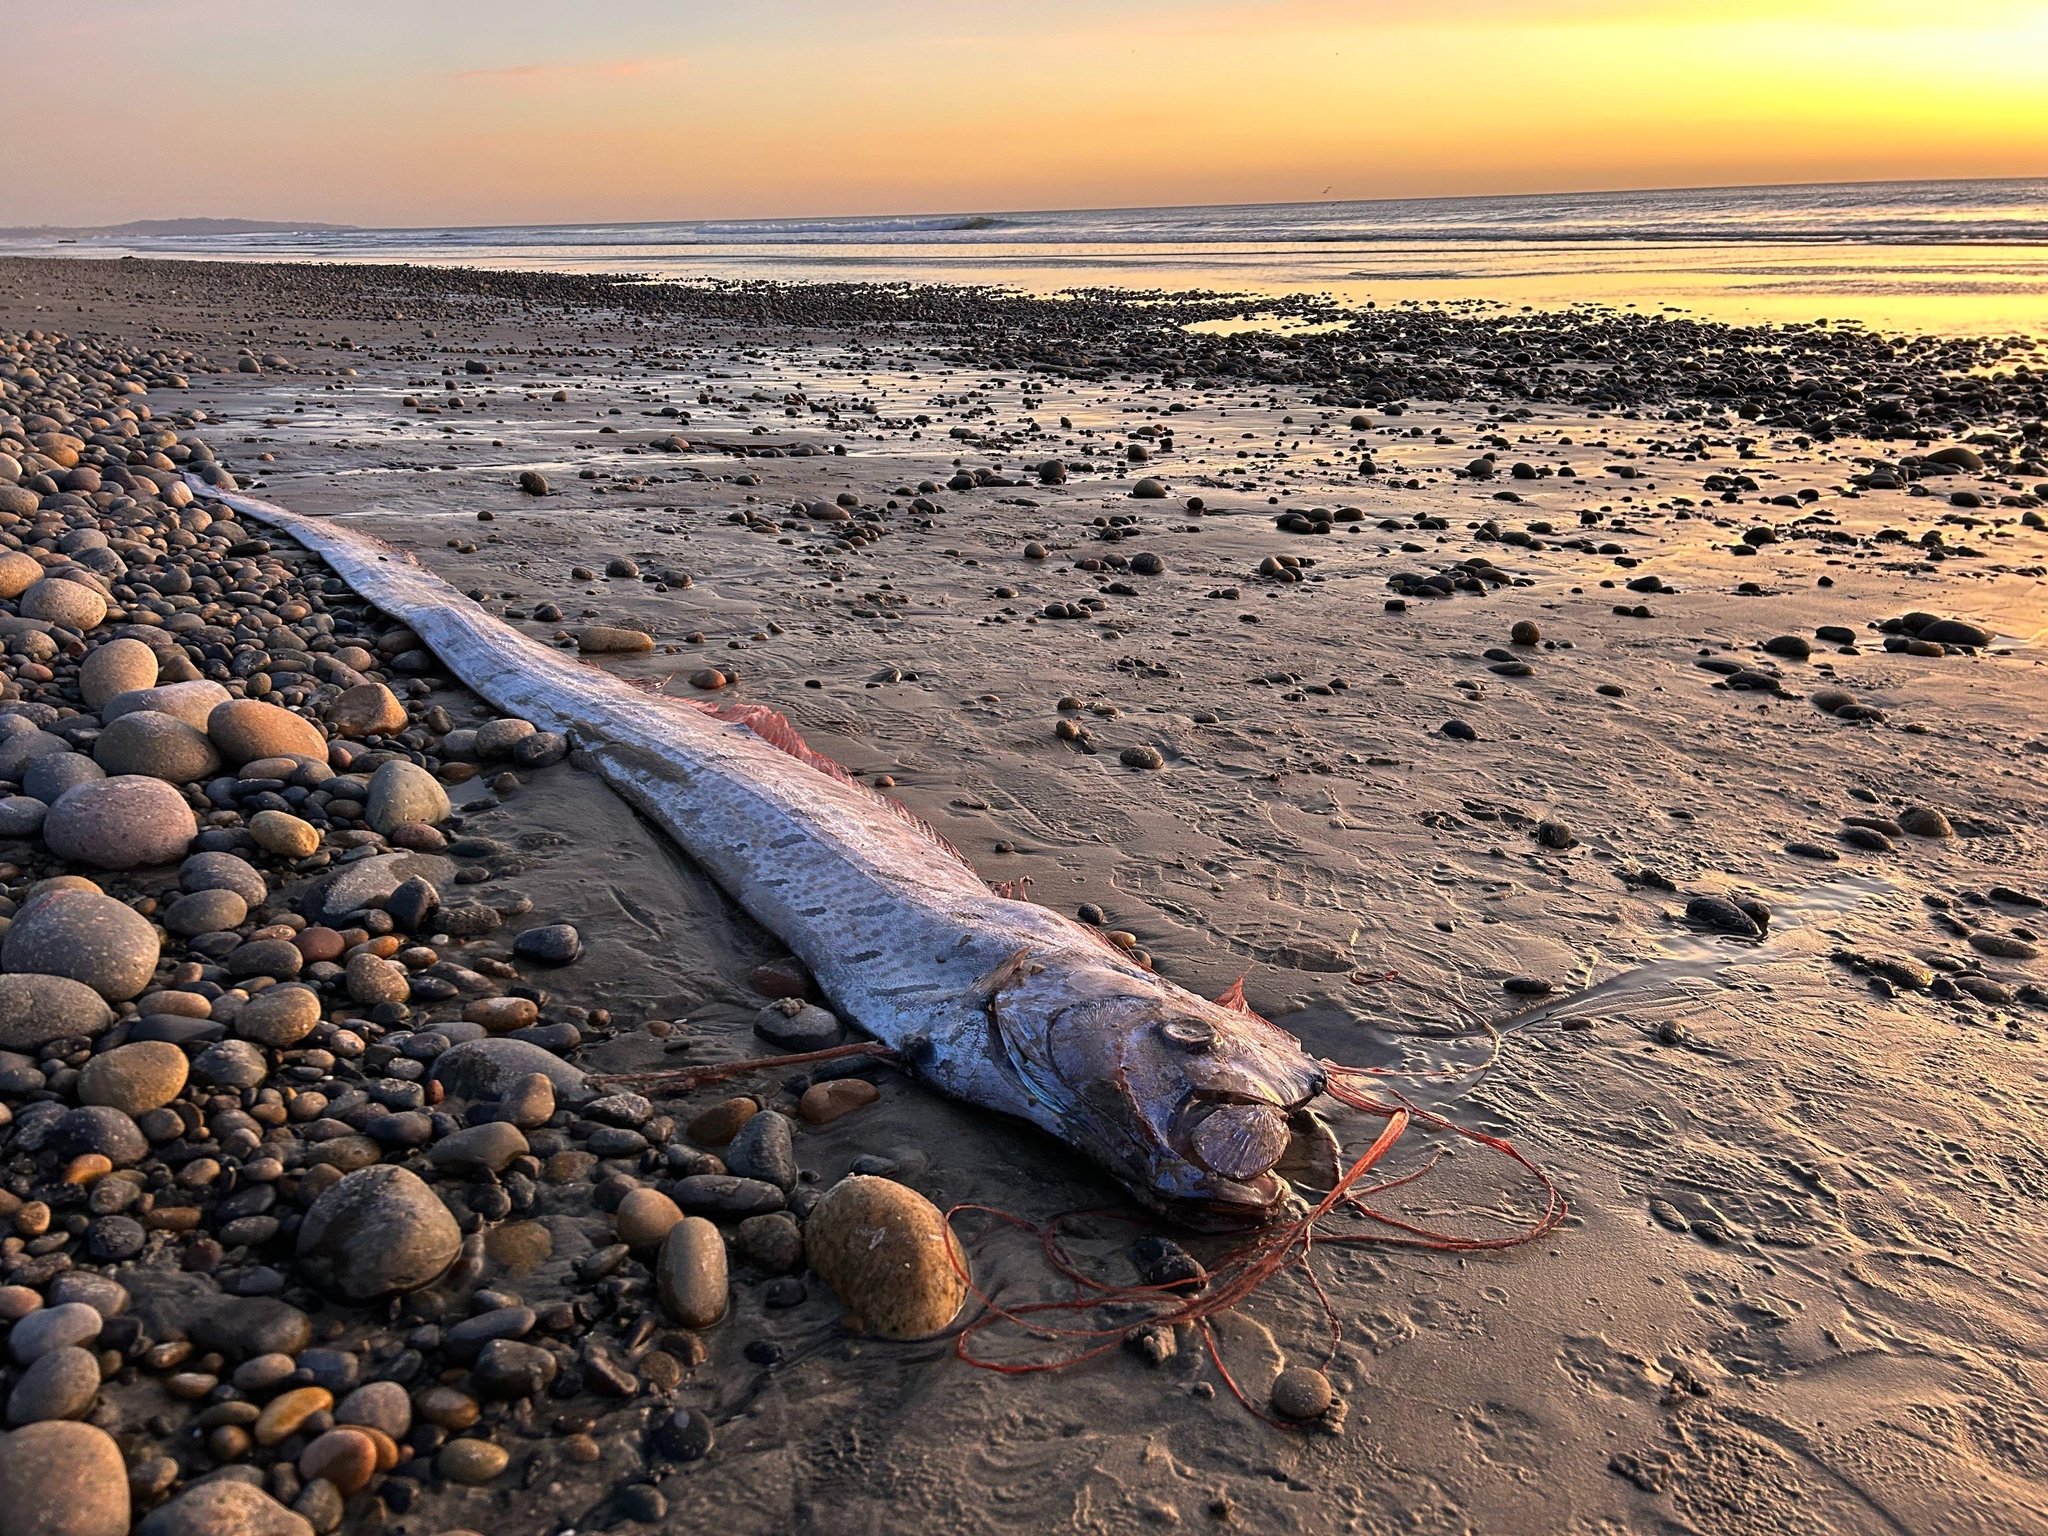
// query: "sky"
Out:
[452,112]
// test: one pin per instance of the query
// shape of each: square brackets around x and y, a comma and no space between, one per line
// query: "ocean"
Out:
[1942,257]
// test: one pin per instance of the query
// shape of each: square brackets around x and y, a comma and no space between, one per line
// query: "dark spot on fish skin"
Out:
[918,1051]
[863,956]
[790,841]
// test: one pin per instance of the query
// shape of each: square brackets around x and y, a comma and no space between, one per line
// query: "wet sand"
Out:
[1799,1289]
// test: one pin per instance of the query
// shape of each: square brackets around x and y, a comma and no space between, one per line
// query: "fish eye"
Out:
[1193,1035]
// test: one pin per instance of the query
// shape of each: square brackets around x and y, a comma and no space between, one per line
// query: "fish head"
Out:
[1186,1100]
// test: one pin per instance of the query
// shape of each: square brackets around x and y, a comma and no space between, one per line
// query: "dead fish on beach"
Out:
[998,1002]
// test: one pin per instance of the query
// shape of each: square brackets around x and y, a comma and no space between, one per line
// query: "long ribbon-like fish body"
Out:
[1002,1003]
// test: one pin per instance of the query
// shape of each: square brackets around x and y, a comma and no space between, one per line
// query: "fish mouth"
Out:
[1233,1206]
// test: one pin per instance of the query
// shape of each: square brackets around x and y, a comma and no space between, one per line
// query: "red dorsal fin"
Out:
[773,727]
[1232,998]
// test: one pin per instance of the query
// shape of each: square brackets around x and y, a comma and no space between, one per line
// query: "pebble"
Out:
[286,835]
[719,1124]
[279,1017]
[822,1103]
[134,1078]
[367,709]
[1302,1392]
[74,604]
[379,1405]
[691,1273]
[888,1255]
[549,944]
[49,1328]
[645,1217]
[473,1462]
[62,1384]
[486,1148]
[612,640]
[1925,821]
[765,1150]
[797,1026]
[486,1069]
[283,1414]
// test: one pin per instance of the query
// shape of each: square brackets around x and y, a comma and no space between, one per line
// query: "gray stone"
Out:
[147,741]
[231,1064]
[125,822]
[489,1147]
[36,1009]
[62,1384]
[53,773]
[487,1069]
[224,872]
[48,1328]
[243,1327]
[21,815]
[402,792]
[88,937]
[765,1149]
[797,1026]
[381,1405]
[102,1129]
[508,1368]
[221,1507]
[377,1231]
[364,883]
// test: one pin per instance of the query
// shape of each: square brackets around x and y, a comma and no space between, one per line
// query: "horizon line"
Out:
[285,225]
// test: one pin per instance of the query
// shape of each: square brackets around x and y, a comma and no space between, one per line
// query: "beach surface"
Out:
[1442,678]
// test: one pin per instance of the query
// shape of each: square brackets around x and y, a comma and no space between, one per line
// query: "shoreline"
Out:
[1720,1338]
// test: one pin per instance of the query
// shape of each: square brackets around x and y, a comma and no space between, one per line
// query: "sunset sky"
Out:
[540,111]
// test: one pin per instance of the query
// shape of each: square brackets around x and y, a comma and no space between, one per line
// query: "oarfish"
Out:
[1002,1003]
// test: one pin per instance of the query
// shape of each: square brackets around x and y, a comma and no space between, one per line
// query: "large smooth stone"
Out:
[379,1230]
[119,666]
[148,741]
[884,1249]
[224,1508]
[191,702]
[134,1078]
[89,937]
[36,1009]
[63,1479]
[402,792]
[60,600]
[368,709]
[246,729]
[127,822]
[487,1069]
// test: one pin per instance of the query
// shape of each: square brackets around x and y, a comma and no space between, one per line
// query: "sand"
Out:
[1799,1289]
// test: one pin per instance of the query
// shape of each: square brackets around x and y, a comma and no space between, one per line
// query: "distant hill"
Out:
[139,227]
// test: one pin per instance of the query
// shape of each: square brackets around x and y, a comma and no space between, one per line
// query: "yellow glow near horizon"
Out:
[512,113]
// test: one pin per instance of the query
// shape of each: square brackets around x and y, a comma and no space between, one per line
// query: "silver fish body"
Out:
[1001,1003]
